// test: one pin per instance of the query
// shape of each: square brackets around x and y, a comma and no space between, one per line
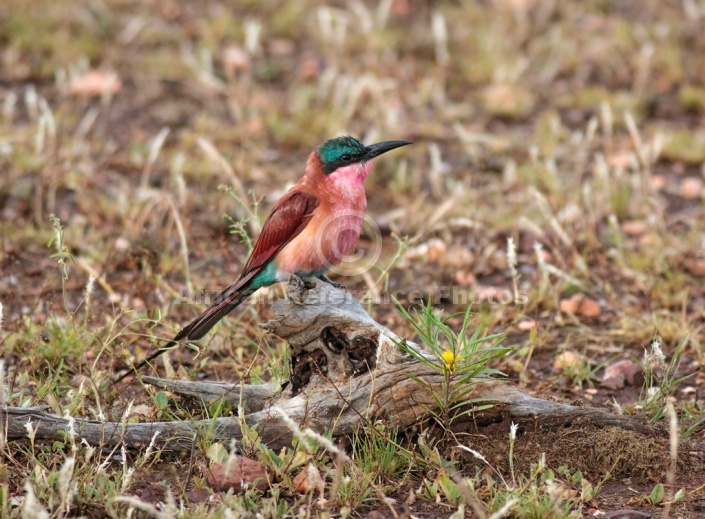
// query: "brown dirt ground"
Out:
[147,104]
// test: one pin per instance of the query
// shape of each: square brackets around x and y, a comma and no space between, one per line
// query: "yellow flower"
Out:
[449,357]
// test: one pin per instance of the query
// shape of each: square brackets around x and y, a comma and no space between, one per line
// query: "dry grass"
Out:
[573,128]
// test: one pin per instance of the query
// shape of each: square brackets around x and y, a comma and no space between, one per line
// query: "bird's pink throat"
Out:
[351,176]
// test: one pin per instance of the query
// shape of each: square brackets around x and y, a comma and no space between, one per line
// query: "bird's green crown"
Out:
[339,152]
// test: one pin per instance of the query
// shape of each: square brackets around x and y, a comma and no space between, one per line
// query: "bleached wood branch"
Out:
[347,369]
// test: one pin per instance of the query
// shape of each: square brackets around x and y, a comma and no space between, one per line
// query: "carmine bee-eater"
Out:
[310,229]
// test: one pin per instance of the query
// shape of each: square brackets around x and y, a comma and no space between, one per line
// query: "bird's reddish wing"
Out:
[288,218]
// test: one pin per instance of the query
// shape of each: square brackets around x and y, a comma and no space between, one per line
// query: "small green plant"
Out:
[580,371]
[657,494]
[63,255]
[460,357]
[542,493]
[355,487]
[658,389]
[375,450]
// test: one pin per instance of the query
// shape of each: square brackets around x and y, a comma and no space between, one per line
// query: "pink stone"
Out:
[237,475]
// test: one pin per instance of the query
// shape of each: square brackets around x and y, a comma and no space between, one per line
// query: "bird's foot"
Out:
[339,286]
[300,283]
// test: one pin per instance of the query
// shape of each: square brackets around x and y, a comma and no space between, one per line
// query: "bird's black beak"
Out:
[375,150]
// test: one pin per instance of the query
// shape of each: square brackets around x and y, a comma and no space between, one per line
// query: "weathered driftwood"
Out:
[346,369]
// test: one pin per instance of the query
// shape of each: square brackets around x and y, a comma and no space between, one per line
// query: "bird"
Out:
[309,230]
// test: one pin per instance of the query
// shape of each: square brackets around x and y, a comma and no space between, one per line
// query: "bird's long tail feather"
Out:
[225,303]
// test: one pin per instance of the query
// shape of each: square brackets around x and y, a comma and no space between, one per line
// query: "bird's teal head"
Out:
[344,151]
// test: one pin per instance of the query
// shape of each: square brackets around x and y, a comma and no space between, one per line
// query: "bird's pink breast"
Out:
[334,231]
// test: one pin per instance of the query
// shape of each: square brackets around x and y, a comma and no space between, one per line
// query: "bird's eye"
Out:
[346,157]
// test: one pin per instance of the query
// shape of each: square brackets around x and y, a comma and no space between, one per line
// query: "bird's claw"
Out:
[335,284]
[301,283]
